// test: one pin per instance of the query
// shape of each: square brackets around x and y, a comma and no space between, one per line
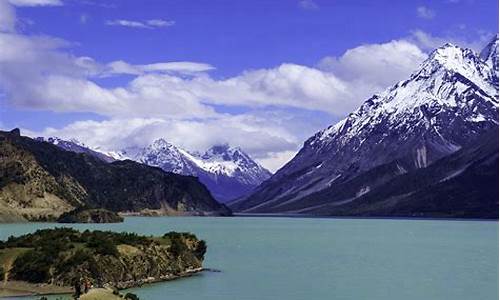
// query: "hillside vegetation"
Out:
[40,181]
[62,255]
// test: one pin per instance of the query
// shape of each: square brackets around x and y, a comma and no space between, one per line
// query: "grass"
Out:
[7,258]
[127,249]
[100,294]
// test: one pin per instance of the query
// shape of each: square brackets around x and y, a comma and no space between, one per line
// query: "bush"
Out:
[131,296]
[103,245]
[33,266]
[79,257]
[177,244]
[201,249]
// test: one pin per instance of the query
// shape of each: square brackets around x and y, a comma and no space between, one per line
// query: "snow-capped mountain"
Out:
[168,157]
[448,102]
[74,145]
[490,56]
[227,172]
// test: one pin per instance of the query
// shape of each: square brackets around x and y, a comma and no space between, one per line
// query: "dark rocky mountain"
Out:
[462,184]
[451,100]
[40,180]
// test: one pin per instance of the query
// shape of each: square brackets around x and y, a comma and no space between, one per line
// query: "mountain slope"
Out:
[450,100]
[227,172]
[462,184]
[75,146]
[40,180]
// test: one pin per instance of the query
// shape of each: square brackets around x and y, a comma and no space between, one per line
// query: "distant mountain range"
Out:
[40,181]
[228,172]
[427,146]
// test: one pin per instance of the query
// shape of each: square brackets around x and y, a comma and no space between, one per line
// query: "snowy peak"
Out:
[490,53]
[448,80]
[74,145]
[161,144]
[450,57]
[58,141]
[227,171]
[168,157]
[223,159]
[226,153]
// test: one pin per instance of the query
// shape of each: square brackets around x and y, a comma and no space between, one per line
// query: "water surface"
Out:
[303,258]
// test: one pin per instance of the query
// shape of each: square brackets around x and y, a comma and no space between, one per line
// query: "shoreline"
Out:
[26,289]
[304,216]
[281,215]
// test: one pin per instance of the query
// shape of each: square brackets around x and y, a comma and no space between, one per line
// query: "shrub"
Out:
[103,245]
[201,249]
[33,266]
[131,296]
[79,257]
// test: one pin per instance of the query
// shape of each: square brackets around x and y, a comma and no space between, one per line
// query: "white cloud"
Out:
[178,100]
[263,139]
[425,13]
[308,4]
[84,18]
[428,42]
[182,67]
[276,160]
[7,17]
[160,23]
[36,2]
[126,23]
[148,24]
[175,100]
[375,65]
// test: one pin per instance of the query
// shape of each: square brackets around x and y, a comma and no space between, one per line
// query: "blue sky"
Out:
[263,75]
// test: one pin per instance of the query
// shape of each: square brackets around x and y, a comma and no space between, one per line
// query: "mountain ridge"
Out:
[228,172]
[41,180]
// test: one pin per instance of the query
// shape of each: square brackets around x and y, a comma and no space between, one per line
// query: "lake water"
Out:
[307,258]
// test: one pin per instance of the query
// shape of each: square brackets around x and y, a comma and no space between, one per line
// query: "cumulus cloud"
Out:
[7,17]
[276,160]
[425,13]
[36,2]
[178,100]
[378,65]
[181,101]
[182,67]
[264,139]
[148,24]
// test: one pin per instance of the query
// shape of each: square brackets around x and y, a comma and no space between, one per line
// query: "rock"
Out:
[99,215]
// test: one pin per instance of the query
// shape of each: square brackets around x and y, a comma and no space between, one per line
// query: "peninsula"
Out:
[56,260]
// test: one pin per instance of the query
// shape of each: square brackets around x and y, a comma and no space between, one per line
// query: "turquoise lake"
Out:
[313,258]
